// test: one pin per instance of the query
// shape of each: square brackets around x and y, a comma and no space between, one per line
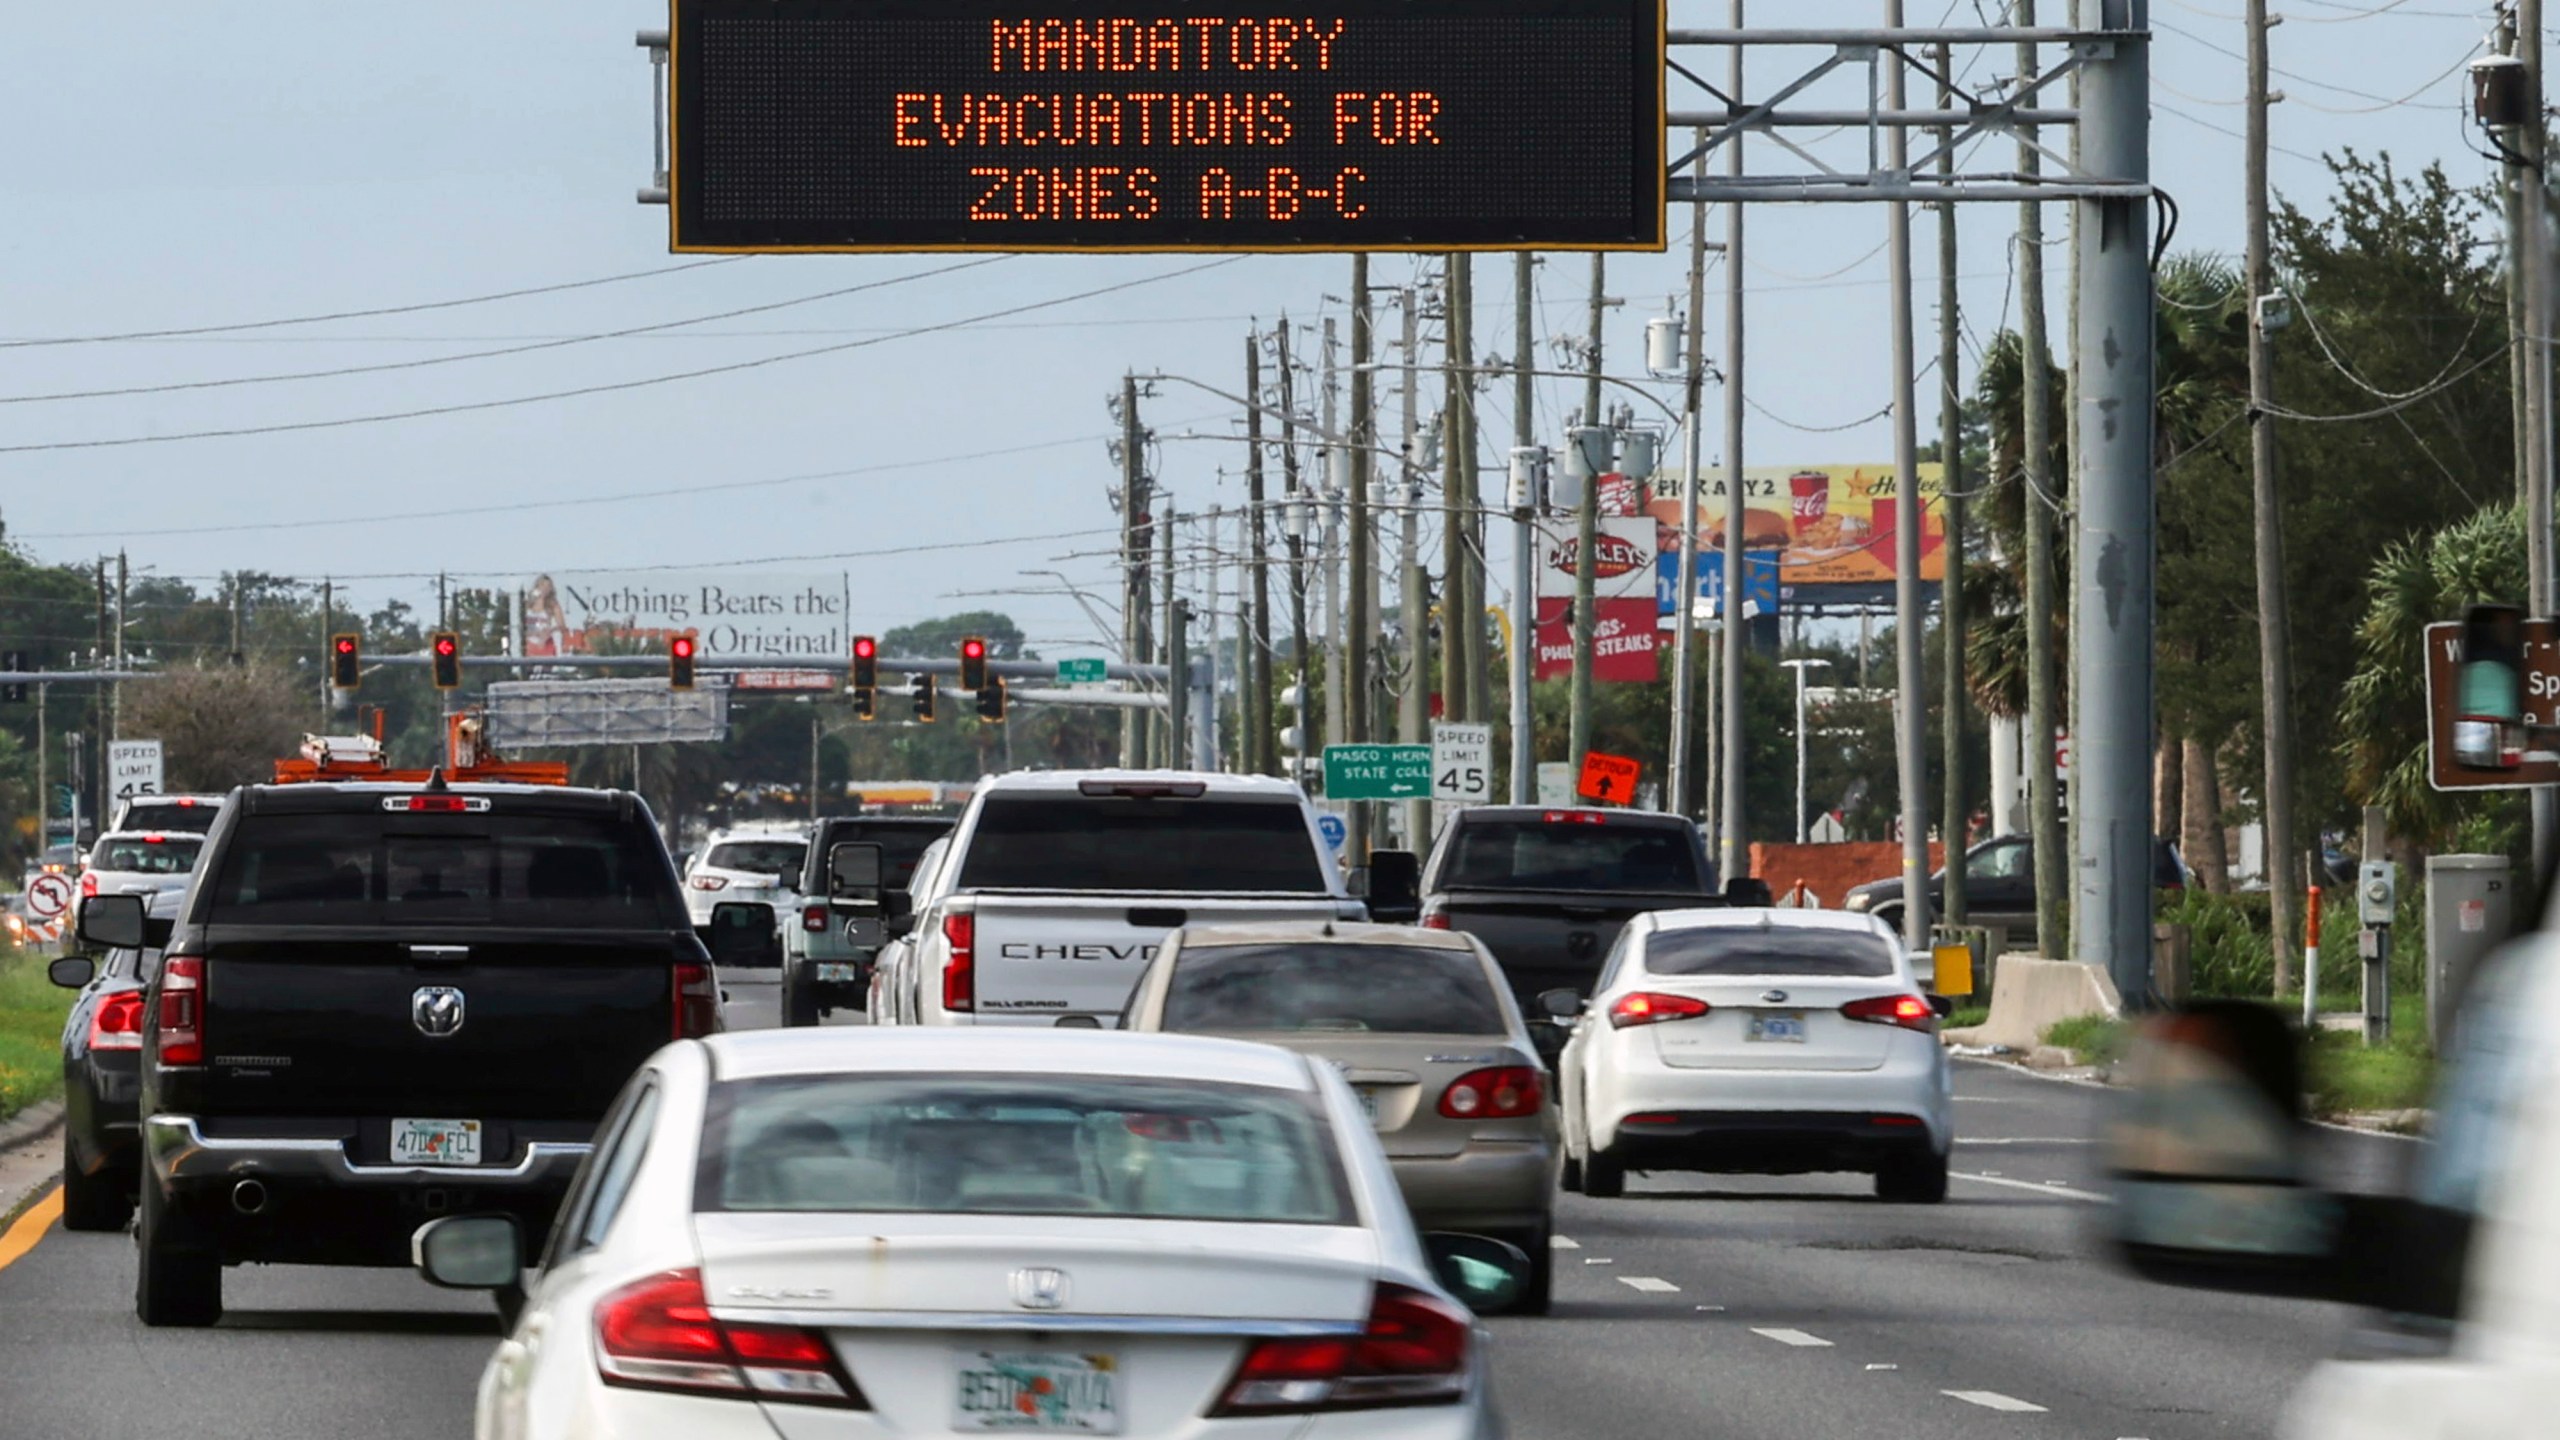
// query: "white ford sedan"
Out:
[1755,1040]
[873,1233]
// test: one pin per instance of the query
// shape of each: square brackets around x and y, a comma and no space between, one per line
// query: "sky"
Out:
[177,166]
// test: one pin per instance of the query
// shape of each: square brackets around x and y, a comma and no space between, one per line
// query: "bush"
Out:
[2230,957]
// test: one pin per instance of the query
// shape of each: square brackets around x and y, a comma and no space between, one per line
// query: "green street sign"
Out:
[1377,772]
[1082,672]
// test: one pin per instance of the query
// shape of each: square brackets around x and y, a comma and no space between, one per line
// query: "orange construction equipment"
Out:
[468,759]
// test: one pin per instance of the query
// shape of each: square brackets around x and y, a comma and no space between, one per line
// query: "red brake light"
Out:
[813,917]
[959,967]
[117,1022]
[658,1333]
[153,840]
[181,1020]
[186,804]
[1435,920]
[1908,1012]
[708,882]
[437,804]
[1413,1351]
[1645,1007]
[1505,1093]
[88,883]
[697,1001]
[1575,817]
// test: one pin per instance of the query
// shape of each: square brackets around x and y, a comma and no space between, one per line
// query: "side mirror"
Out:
[1485,1273]
[2488,707]
[1561,1005]
[1395,887]
[72,971]
[741,934]
[113,921]
[899,926]
[1945,1005]
[469,1252]
[1748,892]
[854,871]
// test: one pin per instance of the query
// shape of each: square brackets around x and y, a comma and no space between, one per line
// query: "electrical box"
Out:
[2377,893]
[2470,909]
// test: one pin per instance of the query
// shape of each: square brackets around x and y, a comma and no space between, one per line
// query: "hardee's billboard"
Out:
[1833,525]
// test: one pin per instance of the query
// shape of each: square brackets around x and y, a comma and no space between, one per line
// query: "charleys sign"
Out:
[1625,611]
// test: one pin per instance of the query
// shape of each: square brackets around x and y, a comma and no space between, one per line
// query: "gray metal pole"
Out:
[1910,687]
[1684,679]
[1360,620]
[1587,531]
[2275,631]
[2112,546]
[1259,744]
[1133,557]
[1954,701]
[1177,688]
[1164,742]
[2040,506]
[1337,688]
[1413,707]
[1524,535]
[1477,666]
[1732,821]
[2533,201]
[1799,667]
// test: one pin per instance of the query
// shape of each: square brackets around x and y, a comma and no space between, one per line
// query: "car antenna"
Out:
[1328,929]
[435,781]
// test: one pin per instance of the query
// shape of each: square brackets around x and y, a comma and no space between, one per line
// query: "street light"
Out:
[1801,666]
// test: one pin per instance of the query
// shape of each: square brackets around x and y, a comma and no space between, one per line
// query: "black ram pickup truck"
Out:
[1548,890]
[381,1004]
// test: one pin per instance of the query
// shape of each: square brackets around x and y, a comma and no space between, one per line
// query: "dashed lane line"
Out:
[2024,1140]
[1994,1400]
[1791,1337]
[1563,1242]
[21,1237]
[1649,1284]
[2049,1187]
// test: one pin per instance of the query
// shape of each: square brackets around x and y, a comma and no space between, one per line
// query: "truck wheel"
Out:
[92,1202]
[1917,1180]
[1569,1179]
[1537,1294]
[174,1284]
[1603,1177]
[799,1007]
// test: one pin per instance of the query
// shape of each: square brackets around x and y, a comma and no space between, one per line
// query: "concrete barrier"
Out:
[2029,993]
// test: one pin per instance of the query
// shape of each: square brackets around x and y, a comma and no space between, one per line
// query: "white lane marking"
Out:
[1649,1284]
[2023,1140]
[1708,1309]
[1886,1366]
[1994,1400]
[1791,1337]
[1599,1260]
[1563,1242]
[2050,1187]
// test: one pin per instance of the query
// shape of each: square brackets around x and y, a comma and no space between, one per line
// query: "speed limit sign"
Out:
[1461,763]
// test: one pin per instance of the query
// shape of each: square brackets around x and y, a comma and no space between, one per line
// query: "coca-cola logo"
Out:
[1613,556]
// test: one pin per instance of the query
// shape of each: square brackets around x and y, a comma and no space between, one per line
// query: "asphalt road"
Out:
[1733,1308]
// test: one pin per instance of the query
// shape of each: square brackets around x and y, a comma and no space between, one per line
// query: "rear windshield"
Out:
[1572,854]
[1391,988]
[535,871]
[758,857]
[900,847]
[1752,950]
[1021,1145]
[193,816]
[1077,842]
[173,856]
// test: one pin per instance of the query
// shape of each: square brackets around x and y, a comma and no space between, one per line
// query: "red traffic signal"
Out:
[346,660]
[444,652]
[680,662]
[866,662]
[973,663]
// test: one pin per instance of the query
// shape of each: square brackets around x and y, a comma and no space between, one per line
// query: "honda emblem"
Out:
[1037,1287]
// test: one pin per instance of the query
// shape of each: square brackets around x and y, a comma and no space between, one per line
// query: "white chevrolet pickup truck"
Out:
[1052,893]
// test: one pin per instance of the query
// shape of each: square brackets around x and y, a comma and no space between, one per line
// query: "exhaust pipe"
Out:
[249,1197]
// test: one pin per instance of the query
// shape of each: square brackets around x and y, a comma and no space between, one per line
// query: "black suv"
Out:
[381,1004]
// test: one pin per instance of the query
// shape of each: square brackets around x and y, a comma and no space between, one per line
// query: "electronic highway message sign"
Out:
[912,125]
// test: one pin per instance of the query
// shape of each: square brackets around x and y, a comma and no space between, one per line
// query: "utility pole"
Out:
[1360,624]
[1684,679]
[2519,364]
[1953,826]
[1177,629]
[115,688]
[2275,632]
[1166,744]
[236,657]
[1413,708]
[1296,534]
[2533,199]
[1910,688]
[1257,739]
[1337,688]
[1524,532]
[1453,512]
[2044,805]
[1587,525]
[1133,564]
[1734,858]
[1475,660]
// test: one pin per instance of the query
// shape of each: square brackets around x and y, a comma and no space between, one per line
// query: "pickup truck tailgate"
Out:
[1038,957]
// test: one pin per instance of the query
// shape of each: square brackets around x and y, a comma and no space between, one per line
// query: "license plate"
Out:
[1037,1390]
[435,1142]
[1787,1027]
[838,973]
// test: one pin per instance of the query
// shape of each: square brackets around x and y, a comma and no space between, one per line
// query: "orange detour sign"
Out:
[1609,779]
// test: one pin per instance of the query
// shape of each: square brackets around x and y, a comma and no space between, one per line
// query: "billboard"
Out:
[907,125]
[732,614]
[1831,527]
[1624,610]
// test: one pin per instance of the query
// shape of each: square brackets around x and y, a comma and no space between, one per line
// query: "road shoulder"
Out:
[30,1156]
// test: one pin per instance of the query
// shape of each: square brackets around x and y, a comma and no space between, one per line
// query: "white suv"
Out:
[756,865]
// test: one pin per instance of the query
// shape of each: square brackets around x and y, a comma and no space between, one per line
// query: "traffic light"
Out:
[15,691]
[346,660]
[973,662]
[991,702]
[866,663]
[866,704]
[920,691]
[679,662]
[444,653]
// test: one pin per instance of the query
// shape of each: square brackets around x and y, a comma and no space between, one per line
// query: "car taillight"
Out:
[1413,1351]
[88,883]
[1504,1093]
[1435,920]
[709,882]
[813,918]
[697,1001]
[658,1334]
[181,1020]
[960,962]
[1910,1012]
[117,1022]
[1647,1008]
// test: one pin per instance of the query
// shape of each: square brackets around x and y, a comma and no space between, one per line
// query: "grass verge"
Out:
[1965,1015]
[2097,1038]
[31,1011]
[2346,1075]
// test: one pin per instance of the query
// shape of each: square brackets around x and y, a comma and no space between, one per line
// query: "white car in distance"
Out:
[136,862]
[863,1233]
[746,865]
[1756,1041]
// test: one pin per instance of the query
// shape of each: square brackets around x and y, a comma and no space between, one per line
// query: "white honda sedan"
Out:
[1756,1040]
[873,1233]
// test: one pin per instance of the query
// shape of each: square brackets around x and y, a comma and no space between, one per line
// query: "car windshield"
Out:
[195,816]
[757,857]
[1768,950]
[1101,1146]
[1314,986]
[1574,851]
[536,871]
[1077,842]
[155,856]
